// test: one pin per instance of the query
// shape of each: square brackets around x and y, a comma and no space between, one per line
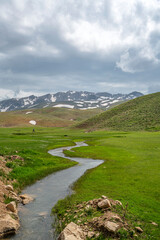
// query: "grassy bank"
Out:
[130,173]
[33,148]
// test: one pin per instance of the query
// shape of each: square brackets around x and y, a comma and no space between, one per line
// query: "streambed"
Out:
[35,219]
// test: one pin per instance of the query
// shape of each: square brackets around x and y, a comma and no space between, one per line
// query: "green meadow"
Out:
[130,172]
[33,147]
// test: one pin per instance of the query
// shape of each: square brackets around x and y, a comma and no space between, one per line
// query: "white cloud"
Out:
[6,93]
[21,93]
[46,42]
[137,60]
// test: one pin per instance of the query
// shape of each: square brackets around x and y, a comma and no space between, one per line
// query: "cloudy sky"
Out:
[95,45]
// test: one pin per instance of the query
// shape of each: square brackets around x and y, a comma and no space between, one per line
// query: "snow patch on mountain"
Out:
[64,105]
[53,99]
[5,109]
[28,112]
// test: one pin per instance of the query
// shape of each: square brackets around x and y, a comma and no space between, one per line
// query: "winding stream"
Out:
[35,219]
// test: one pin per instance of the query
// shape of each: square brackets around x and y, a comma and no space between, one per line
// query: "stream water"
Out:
[35,219]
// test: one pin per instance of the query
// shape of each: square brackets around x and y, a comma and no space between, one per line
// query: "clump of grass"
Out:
[7,199]
[123,234]
[10,165]
[88,211]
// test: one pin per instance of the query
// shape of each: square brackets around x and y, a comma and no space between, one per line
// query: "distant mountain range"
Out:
[70,99]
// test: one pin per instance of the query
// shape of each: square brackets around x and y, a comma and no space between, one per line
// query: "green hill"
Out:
[46,117]
[142,113]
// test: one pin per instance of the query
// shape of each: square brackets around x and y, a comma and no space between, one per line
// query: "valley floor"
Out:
[130,172]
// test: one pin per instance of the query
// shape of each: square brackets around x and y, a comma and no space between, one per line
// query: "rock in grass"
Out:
[12,206]
[88,207]
[91,234]
[72,232]
[138,229]
[111,226]
[118,203]
[103,196]
[153,223]
[104,204]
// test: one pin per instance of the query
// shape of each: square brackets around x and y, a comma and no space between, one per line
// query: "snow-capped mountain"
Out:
[70,99]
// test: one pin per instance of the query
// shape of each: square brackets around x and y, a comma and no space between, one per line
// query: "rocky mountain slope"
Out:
[71,99]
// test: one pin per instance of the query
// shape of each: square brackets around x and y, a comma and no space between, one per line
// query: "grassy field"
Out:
[142,113]
[46,117]
[130,172]
[33,148]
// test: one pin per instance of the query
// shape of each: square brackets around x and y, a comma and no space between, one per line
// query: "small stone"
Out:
[80,206]
[91,234]
[118,203]
[17,199]
[111,226]
[153,223]
[135,235]
[104,204]
[103,196]
[87,207]
[97,235]
[139,229]
[11,206]
[9,187]
[26,198]
[14,194]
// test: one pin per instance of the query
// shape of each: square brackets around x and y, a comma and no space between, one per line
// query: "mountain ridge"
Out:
[70,99]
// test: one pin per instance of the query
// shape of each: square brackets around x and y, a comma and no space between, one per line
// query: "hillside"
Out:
[46,117]
[142,113]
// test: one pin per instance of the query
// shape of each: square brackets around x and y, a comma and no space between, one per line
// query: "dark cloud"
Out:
[97,45]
